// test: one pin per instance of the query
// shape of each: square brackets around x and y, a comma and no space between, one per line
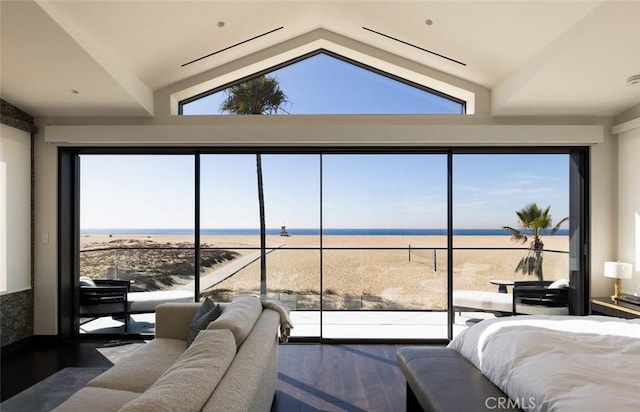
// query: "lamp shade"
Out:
[618,270]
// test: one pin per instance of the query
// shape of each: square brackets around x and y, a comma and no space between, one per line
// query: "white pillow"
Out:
[559,284]
[87,281]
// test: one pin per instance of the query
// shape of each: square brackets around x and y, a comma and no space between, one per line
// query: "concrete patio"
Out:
[335,324]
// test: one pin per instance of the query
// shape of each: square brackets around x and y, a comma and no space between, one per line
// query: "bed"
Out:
[558,363]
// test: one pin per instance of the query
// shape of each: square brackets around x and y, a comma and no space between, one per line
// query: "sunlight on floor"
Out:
[336,324]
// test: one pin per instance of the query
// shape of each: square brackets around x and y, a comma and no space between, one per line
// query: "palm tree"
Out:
[260,95]
[535,222]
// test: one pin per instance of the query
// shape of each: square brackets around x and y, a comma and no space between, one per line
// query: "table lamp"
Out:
[617,271]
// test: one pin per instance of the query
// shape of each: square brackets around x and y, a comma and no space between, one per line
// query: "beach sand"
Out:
[352,278]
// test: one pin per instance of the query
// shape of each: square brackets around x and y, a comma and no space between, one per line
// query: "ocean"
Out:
[311,232]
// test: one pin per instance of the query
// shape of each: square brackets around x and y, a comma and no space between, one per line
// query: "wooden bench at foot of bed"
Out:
[440,379]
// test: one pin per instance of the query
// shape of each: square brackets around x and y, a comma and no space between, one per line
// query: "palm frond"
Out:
[557,226]
[516,234]
[536,220]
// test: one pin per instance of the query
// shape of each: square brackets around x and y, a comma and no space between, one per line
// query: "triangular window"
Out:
[325,83]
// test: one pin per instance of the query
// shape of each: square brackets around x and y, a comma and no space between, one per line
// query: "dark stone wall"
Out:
[16,309]
[17,317]
[14,117]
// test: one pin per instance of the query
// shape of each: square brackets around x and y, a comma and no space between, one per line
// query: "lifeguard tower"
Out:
[283,231]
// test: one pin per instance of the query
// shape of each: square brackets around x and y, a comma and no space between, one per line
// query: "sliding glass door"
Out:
[136,232]
[358,244]
[497,198]
[230,230]
[384,266]
[229,227]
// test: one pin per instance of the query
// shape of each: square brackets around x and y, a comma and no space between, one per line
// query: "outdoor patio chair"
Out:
[500,304]
[100,298]
[541,297]
[114,298]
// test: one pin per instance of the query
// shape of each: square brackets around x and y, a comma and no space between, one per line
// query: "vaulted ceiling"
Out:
[107,58]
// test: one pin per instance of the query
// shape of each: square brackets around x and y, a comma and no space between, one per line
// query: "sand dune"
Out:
[356,278]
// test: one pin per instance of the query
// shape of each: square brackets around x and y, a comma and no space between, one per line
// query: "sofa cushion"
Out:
[483,301]
[239,317]
[140,369]
[188,384]
[250,382]
[208,312]
[96,400]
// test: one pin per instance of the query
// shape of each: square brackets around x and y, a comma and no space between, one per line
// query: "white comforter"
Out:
[559,363]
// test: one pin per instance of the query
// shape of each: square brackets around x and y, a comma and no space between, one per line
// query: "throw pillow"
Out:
[205,307]
[201,320]
[559,284]
[87,282]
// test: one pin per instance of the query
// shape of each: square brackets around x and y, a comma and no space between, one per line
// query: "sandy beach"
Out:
[412,275]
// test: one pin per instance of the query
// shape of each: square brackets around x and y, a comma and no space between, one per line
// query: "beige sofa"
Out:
[230,366]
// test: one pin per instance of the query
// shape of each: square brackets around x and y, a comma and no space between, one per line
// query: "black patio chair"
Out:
[537,298]
[100,298]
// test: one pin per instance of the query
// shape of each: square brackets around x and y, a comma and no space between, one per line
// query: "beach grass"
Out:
[358,272]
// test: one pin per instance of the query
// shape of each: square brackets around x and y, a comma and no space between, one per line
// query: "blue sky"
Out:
[359,191]
[325,85]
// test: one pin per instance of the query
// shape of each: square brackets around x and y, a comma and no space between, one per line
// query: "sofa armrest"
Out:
[173,319]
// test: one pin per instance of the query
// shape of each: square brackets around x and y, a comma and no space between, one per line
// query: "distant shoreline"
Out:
[311,232]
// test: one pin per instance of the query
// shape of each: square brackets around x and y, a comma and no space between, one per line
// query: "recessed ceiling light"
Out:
[221,23]
[633,80]
[428,22]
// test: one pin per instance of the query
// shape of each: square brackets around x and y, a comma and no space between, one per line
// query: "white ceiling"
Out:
[536,57]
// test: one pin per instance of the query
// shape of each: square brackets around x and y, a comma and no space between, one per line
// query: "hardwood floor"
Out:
[311,377]
[339,378]
[27,366]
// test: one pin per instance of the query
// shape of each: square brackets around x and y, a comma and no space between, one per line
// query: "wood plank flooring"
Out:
[311,377]
[29,365]
[339,378]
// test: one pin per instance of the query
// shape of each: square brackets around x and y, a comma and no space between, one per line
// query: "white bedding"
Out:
[559,363]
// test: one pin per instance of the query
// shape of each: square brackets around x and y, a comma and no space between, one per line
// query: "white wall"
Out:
[603,218]
[15,210]
[340,130]
[46,253]
[629,205]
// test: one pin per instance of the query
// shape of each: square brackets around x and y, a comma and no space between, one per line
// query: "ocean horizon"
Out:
[310,232]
